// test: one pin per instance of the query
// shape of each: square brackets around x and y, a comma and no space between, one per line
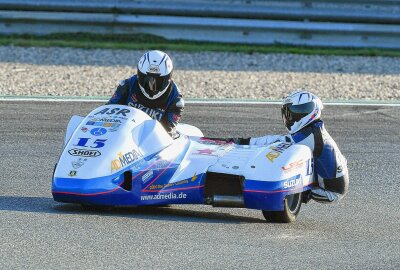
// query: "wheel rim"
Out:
[293,202]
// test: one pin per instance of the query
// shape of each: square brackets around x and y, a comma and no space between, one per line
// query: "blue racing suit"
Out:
[330,166]
[167,108]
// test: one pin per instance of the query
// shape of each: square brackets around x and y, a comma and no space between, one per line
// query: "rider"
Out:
[152,90]
[301,113]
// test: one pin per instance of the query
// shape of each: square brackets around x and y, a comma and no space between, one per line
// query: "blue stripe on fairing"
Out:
[173,166]
[269,196]
[97,184]
[269,186]
[193,190]
[107,183]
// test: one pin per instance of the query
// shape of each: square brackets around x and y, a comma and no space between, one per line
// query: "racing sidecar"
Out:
[118,155]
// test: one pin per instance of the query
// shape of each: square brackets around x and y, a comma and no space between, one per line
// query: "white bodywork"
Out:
[138,136]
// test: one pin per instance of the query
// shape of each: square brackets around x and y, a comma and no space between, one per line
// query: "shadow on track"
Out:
[49,206]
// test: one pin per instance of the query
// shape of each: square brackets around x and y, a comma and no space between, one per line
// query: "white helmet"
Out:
[154,73]
[299,109]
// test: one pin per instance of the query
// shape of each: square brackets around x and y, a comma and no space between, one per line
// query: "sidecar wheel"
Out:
[292,206]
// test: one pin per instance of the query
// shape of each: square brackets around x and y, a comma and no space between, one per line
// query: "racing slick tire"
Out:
[292,206]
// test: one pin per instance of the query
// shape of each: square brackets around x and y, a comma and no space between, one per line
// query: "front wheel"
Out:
[291,208]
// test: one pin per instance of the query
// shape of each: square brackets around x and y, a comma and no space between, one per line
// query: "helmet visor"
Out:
[293,113]
[153,83]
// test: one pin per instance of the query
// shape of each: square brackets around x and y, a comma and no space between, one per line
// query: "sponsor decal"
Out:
[84,142]
[147,176]
[277,150]
[161,164]
[98,131]
[138,165]
[84,129]
[84,152]
[107,124]
[163,196]
[154,69]
[168,185]
[207,152]
[293,182]
[194,177]
[79,163]
[156,114]
[293,165]
[134,98]
[106,120]
[112,126]
[113,111]
[120,117]
[124,159]
[220,151]
[72,173]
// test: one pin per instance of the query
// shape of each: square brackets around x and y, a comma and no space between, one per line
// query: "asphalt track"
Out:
[361,232]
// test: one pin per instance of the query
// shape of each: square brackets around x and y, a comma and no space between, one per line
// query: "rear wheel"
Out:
[292,206]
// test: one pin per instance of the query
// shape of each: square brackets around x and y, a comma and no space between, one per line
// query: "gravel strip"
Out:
[79,72]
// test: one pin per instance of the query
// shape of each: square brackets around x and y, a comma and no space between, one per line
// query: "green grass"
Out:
[145,42]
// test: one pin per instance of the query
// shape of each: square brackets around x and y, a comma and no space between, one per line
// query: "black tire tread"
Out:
[284,216]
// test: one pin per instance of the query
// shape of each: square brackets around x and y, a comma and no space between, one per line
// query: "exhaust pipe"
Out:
[225,201]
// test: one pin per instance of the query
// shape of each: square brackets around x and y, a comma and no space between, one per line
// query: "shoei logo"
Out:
[154,69]
[84,153]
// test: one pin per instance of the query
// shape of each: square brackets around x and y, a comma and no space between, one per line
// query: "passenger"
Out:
[301,113]
[153,91]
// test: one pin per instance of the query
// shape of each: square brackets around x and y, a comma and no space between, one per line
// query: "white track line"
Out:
[248,102]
